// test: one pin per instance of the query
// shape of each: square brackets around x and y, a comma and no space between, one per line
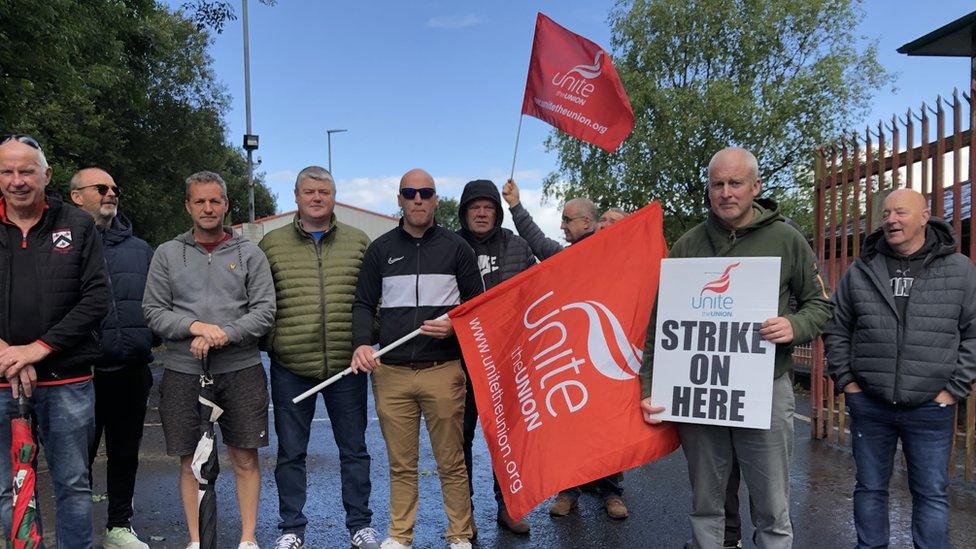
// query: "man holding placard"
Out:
[724,345]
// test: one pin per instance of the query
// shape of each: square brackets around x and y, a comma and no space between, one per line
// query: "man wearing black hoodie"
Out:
[501,255]
[122,376]
[902,348]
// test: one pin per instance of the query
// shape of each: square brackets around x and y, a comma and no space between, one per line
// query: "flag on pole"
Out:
[573,85]
[553,355]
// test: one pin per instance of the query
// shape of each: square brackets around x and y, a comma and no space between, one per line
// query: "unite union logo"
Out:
[720,284]
[574,85]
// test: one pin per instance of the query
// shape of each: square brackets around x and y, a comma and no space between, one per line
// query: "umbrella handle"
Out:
[23,405]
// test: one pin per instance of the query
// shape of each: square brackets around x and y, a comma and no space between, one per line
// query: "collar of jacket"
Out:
[764,212]
[428,232]
[937,230]
[297,224]
[188,240]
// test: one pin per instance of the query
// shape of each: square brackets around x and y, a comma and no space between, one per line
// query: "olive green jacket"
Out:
[768,235]
[315,284]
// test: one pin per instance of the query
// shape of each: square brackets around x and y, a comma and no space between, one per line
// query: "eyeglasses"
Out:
[20,138]
[409,193]
[571,219]
[102,189]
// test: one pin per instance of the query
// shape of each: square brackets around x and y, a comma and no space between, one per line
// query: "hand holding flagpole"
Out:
[348,370]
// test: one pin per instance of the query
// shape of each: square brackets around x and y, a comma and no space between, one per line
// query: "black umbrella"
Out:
[205,464]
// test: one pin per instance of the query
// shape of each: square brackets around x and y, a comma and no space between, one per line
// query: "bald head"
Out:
[904,217]
[733,185]
[580,216]
[87,188]
[735,156]
[418,200]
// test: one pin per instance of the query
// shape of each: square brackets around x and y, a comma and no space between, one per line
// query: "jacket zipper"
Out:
[413,344]
[318,256]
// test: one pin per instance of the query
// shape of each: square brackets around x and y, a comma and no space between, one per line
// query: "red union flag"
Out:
[573,86]
[553,356]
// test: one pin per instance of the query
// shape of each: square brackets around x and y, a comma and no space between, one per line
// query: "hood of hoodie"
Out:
[480,189]
[764,212]
[939,241]
[118,230]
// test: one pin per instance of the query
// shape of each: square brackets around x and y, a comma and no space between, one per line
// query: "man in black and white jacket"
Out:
[416,273]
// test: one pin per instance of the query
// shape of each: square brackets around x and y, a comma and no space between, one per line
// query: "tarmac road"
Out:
[658,495]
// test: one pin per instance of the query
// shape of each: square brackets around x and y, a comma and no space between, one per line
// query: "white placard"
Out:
[710,364]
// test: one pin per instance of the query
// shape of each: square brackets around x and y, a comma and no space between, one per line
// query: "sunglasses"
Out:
[409,193]
[103,189]
[20,138]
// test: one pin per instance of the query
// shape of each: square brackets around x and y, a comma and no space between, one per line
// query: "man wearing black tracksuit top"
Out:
[416,273]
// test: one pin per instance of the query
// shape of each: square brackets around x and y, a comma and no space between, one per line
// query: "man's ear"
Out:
[76,198]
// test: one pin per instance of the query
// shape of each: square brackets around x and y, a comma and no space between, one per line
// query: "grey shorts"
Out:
[243,394]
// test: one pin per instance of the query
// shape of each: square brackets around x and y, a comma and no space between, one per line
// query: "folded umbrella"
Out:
[205,462]
[24,533]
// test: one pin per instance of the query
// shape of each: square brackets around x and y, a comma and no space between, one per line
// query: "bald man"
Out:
[122,376]
[415,273]
[739,224]
[902,348]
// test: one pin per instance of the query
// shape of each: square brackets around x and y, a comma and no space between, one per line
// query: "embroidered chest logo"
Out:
[62,240]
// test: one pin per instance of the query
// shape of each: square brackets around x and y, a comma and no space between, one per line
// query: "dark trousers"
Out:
[469,426]
[120,413]
[733,522]
[604,487]
[926,436]
[345,401]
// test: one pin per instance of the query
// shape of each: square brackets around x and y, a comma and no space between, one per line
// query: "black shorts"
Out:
[243,394]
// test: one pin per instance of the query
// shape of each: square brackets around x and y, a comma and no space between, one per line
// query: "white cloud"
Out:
[454,21]
[379,193]
[547,216]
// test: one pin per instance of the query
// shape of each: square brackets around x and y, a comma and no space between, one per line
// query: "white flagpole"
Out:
[518,133]
[348,370]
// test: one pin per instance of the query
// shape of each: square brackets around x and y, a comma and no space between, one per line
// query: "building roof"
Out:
[953,40]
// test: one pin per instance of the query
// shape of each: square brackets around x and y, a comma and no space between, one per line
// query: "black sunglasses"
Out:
[102,189]
[20,138]
[409,193]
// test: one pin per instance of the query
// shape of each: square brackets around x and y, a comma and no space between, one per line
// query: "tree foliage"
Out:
[126,86]
[775,76]
[213,14]
[446,213]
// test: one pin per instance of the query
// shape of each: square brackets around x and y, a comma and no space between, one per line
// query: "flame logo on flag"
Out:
[589,71]
[598,345]
[720,284]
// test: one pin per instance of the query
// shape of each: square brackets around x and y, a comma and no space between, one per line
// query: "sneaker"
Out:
[729,544]
[390,543]
[289,541]
[616,508]
[520,527]
[122,537]
[562,506]
[193,545]
[248,545]
[459,543]
[366,538]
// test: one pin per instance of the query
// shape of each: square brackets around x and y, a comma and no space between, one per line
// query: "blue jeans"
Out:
[65,424]
[926,435]
[345,400]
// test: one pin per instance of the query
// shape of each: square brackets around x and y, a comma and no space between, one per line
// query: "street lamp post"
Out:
[328,134]
[250,140]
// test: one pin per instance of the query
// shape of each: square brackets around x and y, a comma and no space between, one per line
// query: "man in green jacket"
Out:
[315,263]
[738,225]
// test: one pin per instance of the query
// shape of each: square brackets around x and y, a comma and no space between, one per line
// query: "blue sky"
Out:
[439,84]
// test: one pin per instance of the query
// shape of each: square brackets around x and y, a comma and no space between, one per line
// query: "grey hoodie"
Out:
[231,287]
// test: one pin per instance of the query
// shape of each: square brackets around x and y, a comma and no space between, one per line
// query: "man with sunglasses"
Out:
[414,274]
[122,376]
[53,297]
[579,221]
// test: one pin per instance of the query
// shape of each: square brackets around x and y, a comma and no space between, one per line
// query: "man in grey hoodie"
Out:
[210,294]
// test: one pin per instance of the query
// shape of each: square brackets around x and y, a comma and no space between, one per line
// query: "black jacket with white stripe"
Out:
[413,280]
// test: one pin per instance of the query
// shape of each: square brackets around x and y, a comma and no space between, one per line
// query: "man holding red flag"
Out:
[573,86]
[738,225]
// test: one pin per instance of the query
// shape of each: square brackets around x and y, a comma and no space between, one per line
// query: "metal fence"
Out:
[851,178]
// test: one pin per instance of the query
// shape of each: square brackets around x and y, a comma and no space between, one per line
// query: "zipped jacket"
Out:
[230,287]
[71,285]
[906,361]
[315,283]
[412,280]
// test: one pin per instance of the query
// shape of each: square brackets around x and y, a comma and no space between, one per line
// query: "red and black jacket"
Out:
[69,284]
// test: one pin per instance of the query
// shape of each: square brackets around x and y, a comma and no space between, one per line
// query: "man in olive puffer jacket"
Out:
[902,347]
[315,263]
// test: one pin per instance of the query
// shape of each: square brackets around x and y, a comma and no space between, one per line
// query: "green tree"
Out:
[447,213]
[126,86]
[775,76]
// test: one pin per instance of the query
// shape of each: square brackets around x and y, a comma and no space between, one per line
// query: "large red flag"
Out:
[573,86]
[553,356]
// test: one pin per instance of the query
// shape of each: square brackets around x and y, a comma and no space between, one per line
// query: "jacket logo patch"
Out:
[393,260]
[232,266]
[62,240]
